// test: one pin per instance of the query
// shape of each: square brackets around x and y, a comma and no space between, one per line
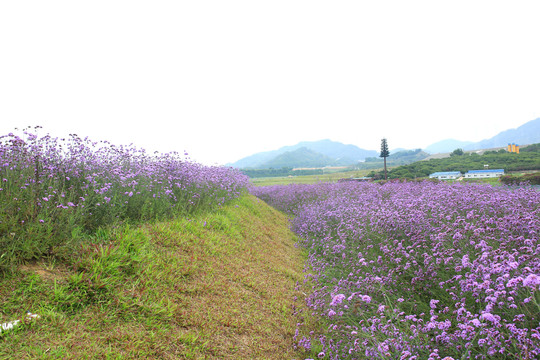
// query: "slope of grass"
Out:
[217,285]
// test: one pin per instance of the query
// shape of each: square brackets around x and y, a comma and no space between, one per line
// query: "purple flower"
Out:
[531,281]
[488,316]
[338,299]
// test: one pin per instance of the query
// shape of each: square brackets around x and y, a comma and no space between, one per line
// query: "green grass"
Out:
[308,179]
[218,285]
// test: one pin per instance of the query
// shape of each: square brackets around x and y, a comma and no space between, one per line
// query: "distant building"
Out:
[513,148]
[478,174]
[446,175]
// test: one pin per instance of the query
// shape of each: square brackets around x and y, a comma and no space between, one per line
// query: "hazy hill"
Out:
[302,157]
[401,157]
[327,152]
[528,133]
[447,145]
[341,154]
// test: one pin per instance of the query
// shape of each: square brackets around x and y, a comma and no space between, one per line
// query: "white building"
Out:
[446,175]
[479,174]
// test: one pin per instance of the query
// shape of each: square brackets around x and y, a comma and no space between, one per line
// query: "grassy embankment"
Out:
[128,255]
[217,285]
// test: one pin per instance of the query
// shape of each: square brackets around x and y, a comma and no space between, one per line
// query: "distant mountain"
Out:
[256,160]
[447,145]
[302,157]
[528,133]
[326,152]
[341,154]
[400,157]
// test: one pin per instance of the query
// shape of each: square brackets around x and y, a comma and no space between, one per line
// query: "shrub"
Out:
[531,179]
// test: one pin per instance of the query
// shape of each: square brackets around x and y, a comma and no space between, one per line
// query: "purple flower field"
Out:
[418,270]
[52,189]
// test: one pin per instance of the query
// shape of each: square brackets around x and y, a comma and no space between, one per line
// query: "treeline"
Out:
[285,171]
[532,179]
[527,159]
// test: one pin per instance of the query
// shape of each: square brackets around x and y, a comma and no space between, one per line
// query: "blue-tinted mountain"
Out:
[528,133]
[302,157]
[401,157]
[447,145]
[341,154]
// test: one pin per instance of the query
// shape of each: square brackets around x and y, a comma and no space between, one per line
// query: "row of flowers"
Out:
[418,270]
[51,188]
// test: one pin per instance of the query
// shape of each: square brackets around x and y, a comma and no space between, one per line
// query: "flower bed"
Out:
[419,270]
[52,189]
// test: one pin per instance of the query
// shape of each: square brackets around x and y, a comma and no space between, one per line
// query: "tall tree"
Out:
[384,154]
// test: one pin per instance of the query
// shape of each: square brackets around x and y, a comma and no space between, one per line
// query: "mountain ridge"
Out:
[528,133]
[342,154]
[333,153]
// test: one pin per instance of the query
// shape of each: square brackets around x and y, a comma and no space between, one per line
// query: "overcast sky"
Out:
[225,79]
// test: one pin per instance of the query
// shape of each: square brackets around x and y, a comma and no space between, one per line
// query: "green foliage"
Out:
[532,179]
[530,148]
[457,152]
[384,149]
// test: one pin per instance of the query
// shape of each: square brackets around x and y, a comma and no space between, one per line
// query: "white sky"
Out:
[225,79]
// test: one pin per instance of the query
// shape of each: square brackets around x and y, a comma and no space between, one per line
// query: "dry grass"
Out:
[217,286]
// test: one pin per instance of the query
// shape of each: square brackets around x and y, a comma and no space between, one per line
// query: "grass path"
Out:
[216,286]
